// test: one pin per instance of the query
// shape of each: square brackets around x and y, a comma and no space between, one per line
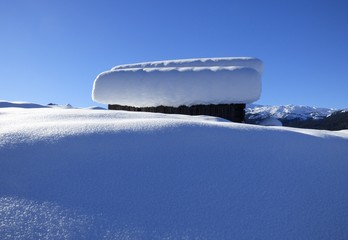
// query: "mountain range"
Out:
[299,116]
[289,115]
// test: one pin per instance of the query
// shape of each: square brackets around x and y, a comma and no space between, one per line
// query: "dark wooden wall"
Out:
[232,112]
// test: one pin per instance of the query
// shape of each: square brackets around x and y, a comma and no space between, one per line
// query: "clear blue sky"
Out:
[52,50]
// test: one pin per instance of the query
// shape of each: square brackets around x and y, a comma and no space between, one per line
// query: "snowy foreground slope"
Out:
[87,174]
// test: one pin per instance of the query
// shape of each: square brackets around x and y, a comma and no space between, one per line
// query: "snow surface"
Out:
[87,174]
[181,82]
[250,62]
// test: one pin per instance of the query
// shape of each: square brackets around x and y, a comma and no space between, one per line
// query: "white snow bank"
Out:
[150,87]
[84,174]
[271,121]
[200,62]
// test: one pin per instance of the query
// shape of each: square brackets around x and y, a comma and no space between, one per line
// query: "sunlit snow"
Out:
[88,174]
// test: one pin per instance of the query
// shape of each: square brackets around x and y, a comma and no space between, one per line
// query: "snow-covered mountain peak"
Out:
[287,112]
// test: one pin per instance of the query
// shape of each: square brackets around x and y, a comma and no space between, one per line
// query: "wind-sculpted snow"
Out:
[86,174]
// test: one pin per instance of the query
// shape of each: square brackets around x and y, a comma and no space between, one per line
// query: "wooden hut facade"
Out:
[188,86]
[232,112]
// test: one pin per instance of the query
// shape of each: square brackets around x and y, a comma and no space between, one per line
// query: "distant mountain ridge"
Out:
[289,115]
[299,116]
[18,104]
[288,112]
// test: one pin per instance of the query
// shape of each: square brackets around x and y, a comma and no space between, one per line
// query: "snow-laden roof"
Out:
[181,82]
[251,62]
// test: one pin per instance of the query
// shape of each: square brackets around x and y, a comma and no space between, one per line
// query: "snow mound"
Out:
[82,174]
[181,82]
[270,122]
[95,108]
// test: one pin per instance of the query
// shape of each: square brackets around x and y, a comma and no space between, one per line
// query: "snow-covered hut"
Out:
[206,86]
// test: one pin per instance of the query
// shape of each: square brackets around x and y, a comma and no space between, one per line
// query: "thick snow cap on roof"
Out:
[254,63]
[181,82]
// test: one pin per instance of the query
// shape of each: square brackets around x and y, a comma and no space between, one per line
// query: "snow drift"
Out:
[181,82]
[271,121]
[86,174]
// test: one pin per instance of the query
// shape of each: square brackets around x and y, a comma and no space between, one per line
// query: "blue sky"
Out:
[51,51]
